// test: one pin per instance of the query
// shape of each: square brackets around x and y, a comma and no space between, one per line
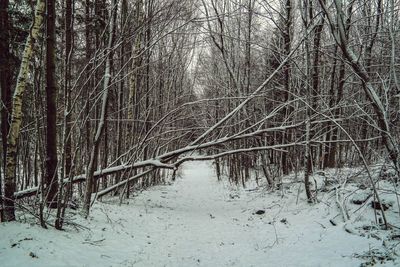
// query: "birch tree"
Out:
[16,113]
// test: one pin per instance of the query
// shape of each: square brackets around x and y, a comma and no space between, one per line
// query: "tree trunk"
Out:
[287,76]
[51,178]
[5,85]
[315,71]
[103,116]
[308,155]
[67,118]
[16,113]
[67,88]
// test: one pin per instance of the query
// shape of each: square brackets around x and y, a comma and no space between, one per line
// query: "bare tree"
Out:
[5,84]
[339,32]
[51,179]
[16,117]
[103,116]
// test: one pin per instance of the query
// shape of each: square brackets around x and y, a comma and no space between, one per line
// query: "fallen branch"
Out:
[122,183]
[98,174]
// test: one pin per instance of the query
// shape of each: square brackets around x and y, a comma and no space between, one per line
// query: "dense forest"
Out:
[105,98]
[102,100]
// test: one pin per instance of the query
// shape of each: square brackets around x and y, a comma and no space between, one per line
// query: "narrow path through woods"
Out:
[197,221]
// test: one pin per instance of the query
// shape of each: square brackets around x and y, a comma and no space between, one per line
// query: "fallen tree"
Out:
[160,162]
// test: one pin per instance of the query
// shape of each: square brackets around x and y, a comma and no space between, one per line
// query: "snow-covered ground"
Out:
[198,221]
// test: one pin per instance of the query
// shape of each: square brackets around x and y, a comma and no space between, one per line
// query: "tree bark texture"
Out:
[16,113]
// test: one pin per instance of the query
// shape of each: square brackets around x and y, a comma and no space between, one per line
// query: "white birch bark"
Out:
[16,117]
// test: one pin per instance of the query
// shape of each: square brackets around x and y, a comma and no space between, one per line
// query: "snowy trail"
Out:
[197,221]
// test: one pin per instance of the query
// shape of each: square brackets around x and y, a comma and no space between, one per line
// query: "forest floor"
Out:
[199,221]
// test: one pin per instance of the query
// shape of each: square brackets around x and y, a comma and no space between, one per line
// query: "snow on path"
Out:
[197,221]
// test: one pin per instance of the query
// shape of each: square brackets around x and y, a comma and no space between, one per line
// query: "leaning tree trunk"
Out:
[16,113]
[103,117]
